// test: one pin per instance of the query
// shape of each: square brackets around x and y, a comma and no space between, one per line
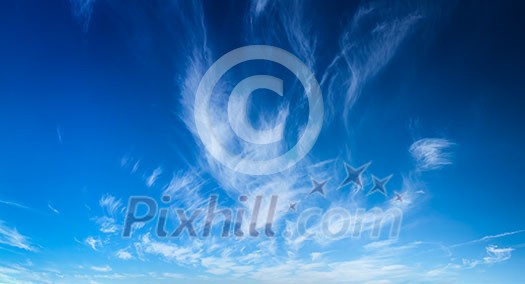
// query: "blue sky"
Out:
[97,105]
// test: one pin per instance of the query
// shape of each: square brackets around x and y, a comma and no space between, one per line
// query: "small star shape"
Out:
[292,206]
[318,187]
[354,175]
[379,185]
[399,197]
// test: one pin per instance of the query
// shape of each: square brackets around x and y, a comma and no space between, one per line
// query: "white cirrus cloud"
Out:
[130,163]
[489,237]
[151,179]
[168,251]
[112,208]
[10,203]
[124,254]
[107,224]
[93,242]
[53,208]
[106,268]
[82,10]
[110,204]
[11,237]
[496,254]
[365,49]
[431,153]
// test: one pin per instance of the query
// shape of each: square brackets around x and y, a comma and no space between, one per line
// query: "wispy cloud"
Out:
[130,163]
[152,178]
[110,204]
[168,251]
[112,208]
[258,7]
[294,30]
[53,208]
[431,153]
[11,237]
[59,134]
[82,10]
[94,243]
[123,254]
[184,189]
[369,42]
[107,224]
[489,237]
[496,254]
[10,203]
[106,268]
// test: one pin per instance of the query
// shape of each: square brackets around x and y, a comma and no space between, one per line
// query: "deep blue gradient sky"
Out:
[96,101]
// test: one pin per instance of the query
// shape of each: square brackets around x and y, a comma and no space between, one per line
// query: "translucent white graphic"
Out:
[238,100]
